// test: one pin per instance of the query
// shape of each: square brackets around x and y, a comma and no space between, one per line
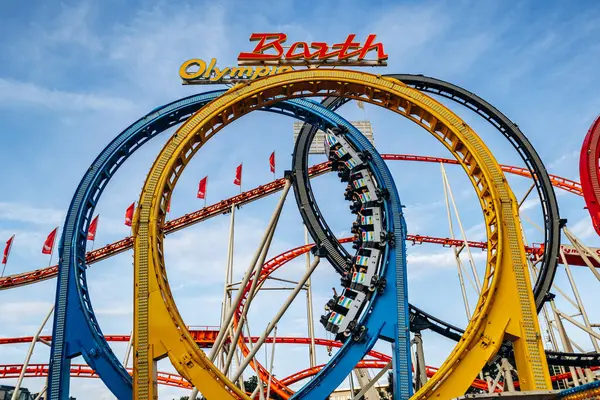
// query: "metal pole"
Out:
[495,382]
[15,394]
[584,251]
[579,324]
[421,368]
[226,287]
[462,232]
[259,385]
[564,338]
[229,315]
[277,317]
[312,355]
[363,377]
[246,307]
[351,384]
[526,194]
[228,284]
[375,379]
[42,392]
[580,305]
[509,385]
[272,362]
[456,256]
[128,351]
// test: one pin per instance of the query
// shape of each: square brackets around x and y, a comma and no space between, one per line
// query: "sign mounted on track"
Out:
[271,57]
[349,52]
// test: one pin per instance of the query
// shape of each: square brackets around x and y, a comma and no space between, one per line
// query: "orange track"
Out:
[82,371]
[205,337]
[224,206]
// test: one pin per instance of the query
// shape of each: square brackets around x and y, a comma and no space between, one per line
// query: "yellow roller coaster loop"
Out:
[505,309]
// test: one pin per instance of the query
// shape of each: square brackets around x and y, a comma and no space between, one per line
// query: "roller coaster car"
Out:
[370,218]
[339,148]
[365,155]
[346,279]
[344,175]
[355,207]
[383,193]
[330,306]
[355,330]
[366,263]
[339,130]
[347,309]
[378,284]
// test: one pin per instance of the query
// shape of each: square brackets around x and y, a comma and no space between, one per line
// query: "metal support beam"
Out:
[277,317]
[312,353]
[375,379]
[229,315]
[509,384]
[420,368]
[364,378]
[17,390]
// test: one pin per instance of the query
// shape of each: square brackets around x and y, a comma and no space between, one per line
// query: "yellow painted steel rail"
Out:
[505,309]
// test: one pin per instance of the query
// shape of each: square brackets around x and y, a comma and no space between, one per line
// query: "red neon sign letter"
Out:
[257,53]
[344,51]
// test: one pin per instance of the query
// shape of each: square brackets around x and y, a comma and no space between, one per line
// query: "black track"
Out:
[339,257]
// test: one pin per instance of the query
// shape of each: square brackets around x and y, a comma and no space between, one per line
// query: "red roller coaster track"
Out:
[205,337]
[588,172]
[224,206]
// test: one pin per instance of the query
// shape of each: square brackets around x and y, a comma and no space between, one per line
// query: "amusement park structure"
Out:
[516,343]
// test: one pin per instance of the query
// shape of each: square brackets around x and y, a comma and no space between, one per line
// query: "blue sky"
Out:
[75,74]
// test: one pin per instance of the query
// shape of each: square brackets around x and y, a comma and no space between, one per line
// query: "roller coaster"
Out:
[501,352]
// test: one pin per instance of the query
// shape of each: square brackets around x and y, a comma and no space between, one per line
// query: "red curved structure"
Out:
[8,371]
[588,172]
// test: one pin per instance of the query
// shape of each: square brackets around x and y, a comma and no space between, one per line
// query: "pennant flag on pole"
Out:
[272,162]
[49,243]
[92,231]
[202,188]
[129,214]
[238,176]
[9,243]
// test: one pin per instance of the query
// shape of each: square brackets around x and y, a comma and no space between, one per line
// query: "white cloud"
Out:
[21,310]
[567,157]
[423,265]
[192,31]
[31,214]
[530,204]
[583,228]
[71,27]
[26,93]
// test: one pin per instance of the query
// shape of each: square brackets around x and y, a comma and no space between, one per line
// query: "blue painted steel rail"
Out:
[393,300]
[76,329]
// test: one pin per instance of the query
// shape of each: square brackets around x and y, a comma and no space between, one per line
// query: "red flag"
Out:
[92,230]
[129,214]
[238,176]
[272,162]
[202,188]
[9,243]
[49,243]
[169,206]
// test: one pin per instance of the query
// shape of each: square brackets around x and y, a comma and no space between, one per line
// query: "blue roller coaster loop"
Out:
[76,329]
[393,300]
